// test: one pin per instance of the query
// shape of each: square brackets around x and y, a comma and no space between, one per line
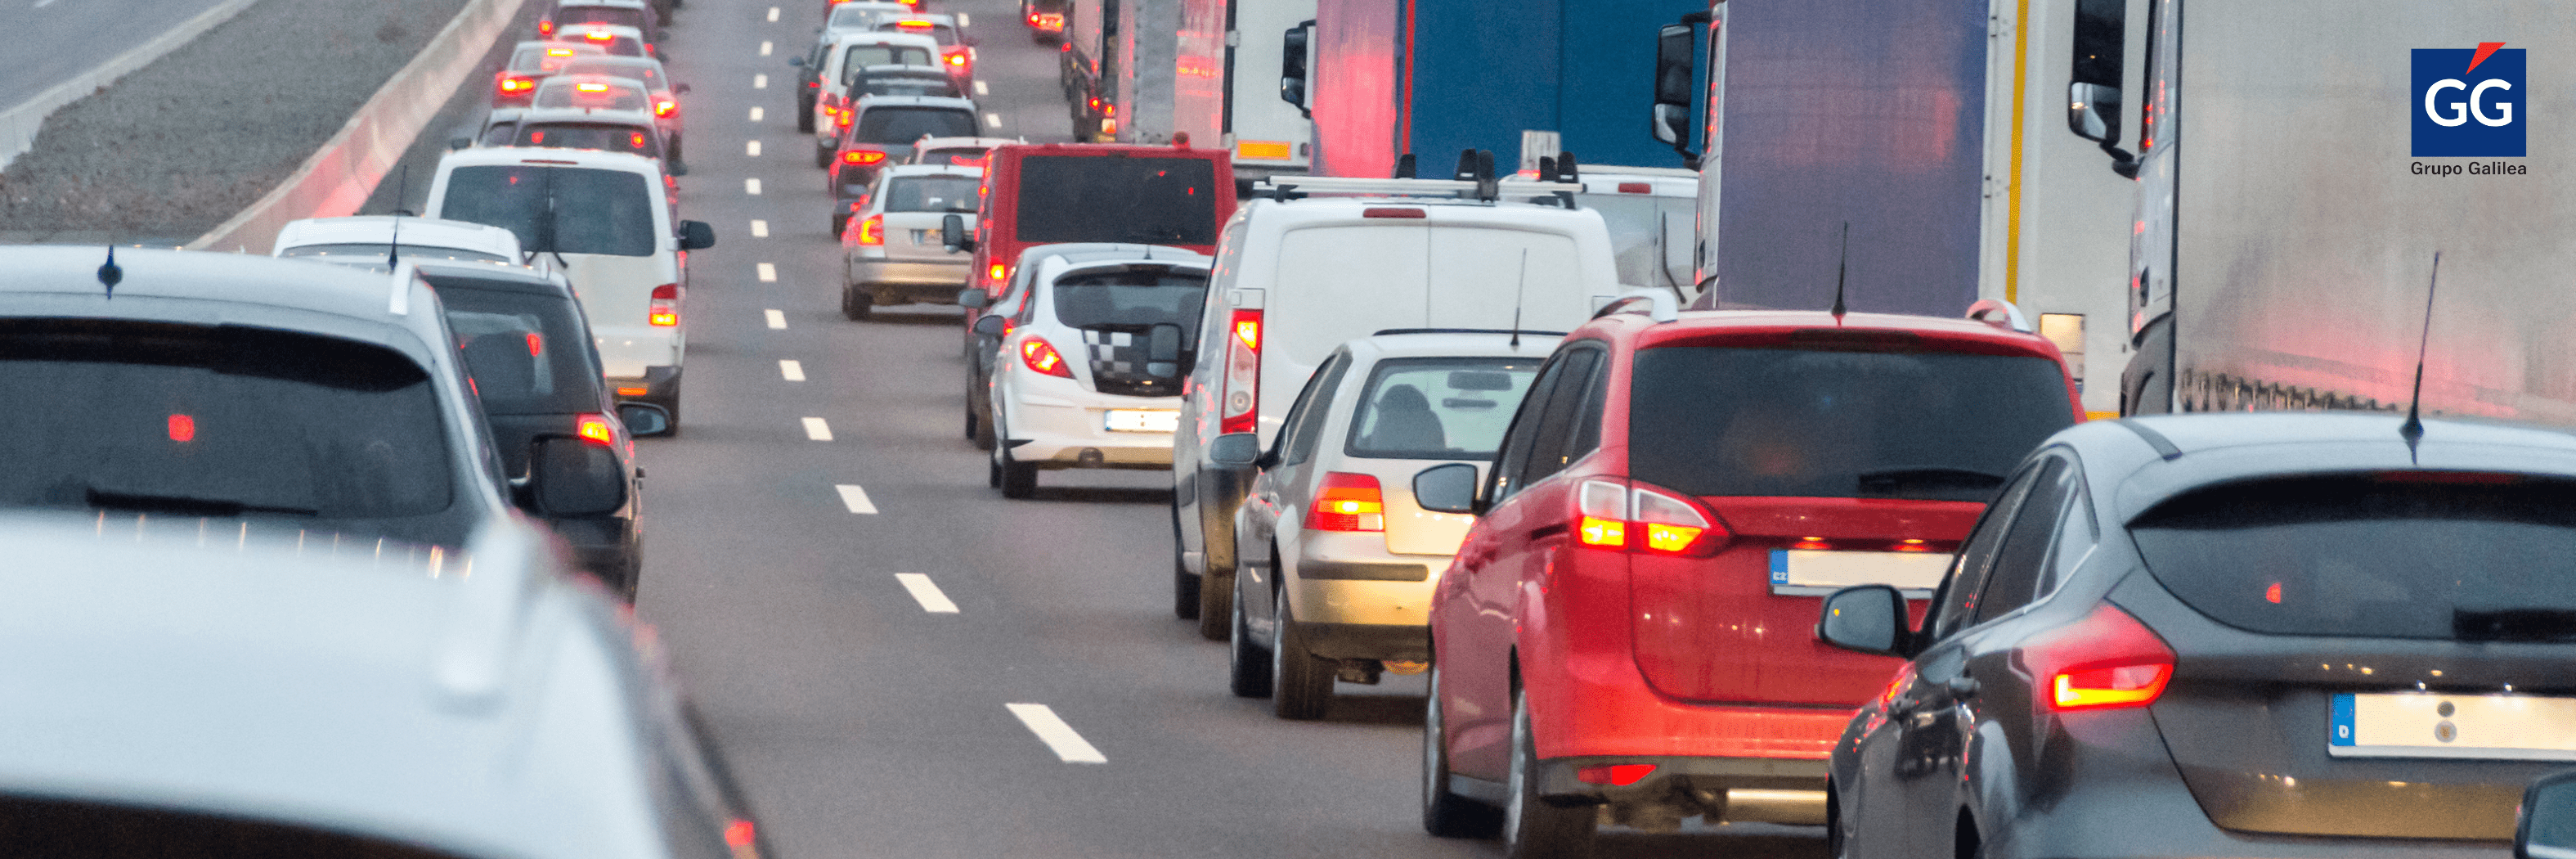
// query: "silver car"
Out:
[891,249]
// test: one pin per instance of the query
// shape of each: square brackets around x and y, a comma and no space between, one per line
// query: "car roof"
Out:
[1953,333]
[1078,253]
[879,37]
[1442,210]
[1434,343]
[616,29]
[414,231]
[934,170]
[534,115]
[483,156]
[623,4]
[2145,460]
[560,80]
[963,142]
[501,276]
[497,713]
[203,288]
[952,102]
[904,70]
[933,17]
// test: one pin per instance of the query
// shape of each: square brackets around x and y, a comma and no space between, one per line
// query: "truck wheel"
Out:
[1533,828]
[1301,683]
[1446,814]
[1247,664]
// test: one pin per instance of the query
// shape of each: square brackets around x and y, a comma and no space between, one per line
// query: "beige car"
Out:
[891,251]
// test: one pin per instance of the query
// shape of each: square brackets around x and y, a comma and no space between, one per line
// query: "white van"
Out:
[841,62]
[1295,279]
[611,230]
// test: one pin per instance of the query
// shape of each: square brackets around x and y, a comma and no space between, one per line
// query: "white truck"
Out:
[1211,69]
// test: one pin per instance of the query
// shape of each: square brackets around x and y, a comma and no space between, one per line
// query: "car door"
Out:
[1277,497]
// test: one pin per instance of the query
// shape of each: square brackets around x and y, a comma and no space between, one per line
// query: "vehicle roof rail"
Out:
[1512,189]
[1387,331]
[1661,305]
[1999,313]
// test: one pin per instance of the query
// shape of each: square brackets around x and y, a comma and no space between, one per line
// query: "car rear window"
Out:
[217,421]
[847,16]
[1819,423]
[2407,555]
[956,157]
[609,15]
[860,56]
[884,124]
[525,351]
[375,254]
[66,829]
[544,58]
[574,210]
[932,194]
[942,33]
[562,91]
[633,140]
[1439,408]
[618,68]
[1134,300]
[1116,198]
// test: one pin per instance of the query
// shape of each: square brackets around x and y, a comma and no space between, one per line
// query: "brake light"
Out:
[183,428]
[872,230]
[664,312]
[913,24]
[1242,373]
[1347,502]
[664,107]
[557,52]
[1615,775]
[1384,212]
[599,37]
[1620,516]
[632,391]
[998,273]
[957,57]
[1050,22]
[509,84]
[594,428]
[536,345]
[1041,357]
[635,140]
[965,161]
[591,87]
[2107,660]
[862,156]
[546,29]
[1636,188]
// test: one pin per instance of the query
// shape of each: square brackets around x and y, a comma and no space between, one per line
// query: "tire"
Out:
[822,157]
[1216,603]
[840,224]
[1018,479]
[671,404]
[1446,814]
[856,303]
[805,116]
[675,150]
[1301,683]
[1185,584]
[1247,664]
[1533,828]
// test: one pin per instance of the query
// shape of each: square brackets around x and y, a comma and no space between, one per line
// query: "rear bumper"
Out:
[1399,642]
[1338,578]
[932,282]
[1598,705]
[657,385]
[1071,431]
[1763,790]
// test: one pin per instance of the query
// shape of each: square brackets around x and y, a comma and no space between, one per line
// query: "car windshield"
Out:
[634,140]
[888,124]
[560,91]
[546,58]
[946,35]
[1133,299]
[956,157]
[70,829]
[934,85]
[525,351]
[931,194]
[2442,555]
[1116,198]
[1828,423]
[609,15]
[853,16]
[216,421]
[592,211]
[1646,234]
[374,254]
[1439,408]
[879,54]
[648,72]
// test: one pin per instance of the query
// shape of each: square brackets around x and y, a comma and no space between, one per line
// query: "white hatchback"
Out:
[1089,374]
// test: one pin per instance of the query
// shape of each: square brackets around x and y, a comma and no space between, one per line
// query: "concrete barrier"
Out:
[19,124]
[340,175]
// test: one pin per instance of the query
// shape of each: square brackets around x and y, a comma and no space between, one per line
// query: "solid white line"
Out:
[1059,736]
[817,430]
[759,81]
[768,273]
[759,228]
[791,369]
[773,14]
[993,120]
[777,319]
[981,89]
[755,114]
[856,499]
[926,594]
[751,186]
[751,148]
[764,47]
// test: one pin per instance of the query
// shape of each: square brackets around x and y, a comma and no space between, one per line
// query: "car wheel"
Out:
[671,403]
[822,157]
[840,224]
[1247,664]
[1185,584]
[675,149]
[1838,835]
[856,303]
[1301,683]
[805,116]
[1532,827]
[1018,479]
[1446,814]
[1216,603]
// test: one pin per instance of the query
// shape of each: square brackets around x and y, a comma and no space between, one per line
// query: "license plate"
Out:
[1816,572]
[1140,420]
[2427,725]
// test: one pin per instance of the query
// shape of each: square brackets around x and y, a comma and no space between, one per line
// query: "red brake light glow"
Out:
[739,833]
[1386,212]
[1041,357]
[2105,661]
[636,140]
[536,344]
[1636,188]
[183,428]
[999,272]
[664,107]
[913,24]
[599,36]
[631,391]
[595,428]
[591,87]
[957,57]
[1615,775]
[1619,516]
[862,156]
[872,230]
[558,52]
[547,28]
[1241,412]
[517,84]
[1347,502]
[664,312]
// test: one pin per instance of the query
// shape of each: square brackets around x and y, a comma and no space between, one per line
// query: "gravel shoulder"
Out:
[170,151]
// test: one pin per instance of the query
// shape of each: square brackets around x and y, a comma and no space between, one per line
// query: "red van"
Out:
[1631,622]
[1043,194]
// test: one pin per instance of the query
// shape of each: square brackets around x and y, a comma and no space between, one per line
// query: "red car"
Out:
[1052,193]
[1631,622]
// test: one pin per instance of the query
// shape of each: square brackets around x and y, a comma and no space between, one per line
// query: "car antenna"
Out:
[110,275]
[1519,290]
[1842,269]
[2413,429]
[393,244]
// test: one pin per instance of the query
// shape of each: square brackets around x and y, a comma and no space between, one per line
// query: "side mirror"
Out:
[679,168]
[1447,488]
[798,62]
[683,89]
[974,298]
[991,324]
[1868,619]
[460,142]
[1295,75]
[2093,112]
[644,419]
[1235,450]
[1163,351]
[2545,828]
[1676,67]
[574,477]
[696,235]
[952,234]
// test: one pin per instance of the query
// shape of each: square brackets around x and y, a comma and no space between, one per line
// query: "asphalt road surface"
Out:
[51,41]
[864,723]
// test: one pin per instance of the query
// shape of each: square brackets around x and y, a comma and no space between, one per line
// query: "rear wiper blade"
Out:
[1890,478]
[186,505]
[2514,624]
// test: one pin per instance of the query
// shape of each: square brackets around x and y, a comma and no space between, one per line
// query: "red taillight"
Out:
[2105,661]
[591,87]
[635,140]
[1624,517]
[957,57]
[1615,775]
[862,156]
[632,391]
[665,309]
[595,428]
[1384,212]
[536,345]
[664,107]
[510,84]
[1041,357]
[1347,502]
[1050,22]
[1241,409]
[1636,188]
[546,29]
[913,24]
[872,230]
[600,37]
[739,833]
[183,428]
[998,273]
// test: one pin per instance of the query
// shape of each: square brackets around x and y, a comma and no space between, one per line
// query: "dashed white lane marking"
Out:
[768,272]
[777,319]
[751,186]
[1058,736]
[856,499]
[992,120]
[764,47]
[962,21]
[759,81]
[751,148]
[926,593]
[791,369]
[759,228]
[817,430]
[773,14]
[981,89]
[755,114]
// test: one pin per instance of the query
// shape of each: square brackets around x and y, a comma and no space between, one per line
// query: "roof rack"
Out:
[1507,190]
[1533,332]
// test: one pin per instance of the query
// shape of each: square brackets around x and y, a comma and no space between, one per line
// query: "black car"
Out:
[528,351]
[2283,634]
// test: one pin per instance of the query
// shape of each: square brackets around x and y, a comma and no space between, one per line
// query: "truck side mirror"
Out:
[2546,826]
[696,235]
[2093,100]
[1296,77]
[1163,351]
[1868,619]
[1676,66]
[1447,488]
[569,476]
[952,234]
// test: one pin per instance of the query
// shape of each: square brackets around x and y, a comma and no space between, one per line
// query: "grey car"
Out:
[890,243]
[180,693]
[2271,634]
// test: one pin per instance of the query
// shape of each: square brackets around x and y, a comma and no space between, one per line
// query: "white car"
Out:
[364,240]
[1336,562]
[1079,383]
[959,151]
[841,63]
[891,251]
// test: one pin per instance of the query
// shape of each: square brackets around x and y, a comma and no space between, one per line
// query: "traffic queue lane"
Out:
[892,656]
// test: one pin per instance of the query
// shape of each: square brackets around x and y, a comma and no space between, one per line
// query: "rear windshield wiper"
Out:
[1889,479]
[2514,624]
[185,505]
